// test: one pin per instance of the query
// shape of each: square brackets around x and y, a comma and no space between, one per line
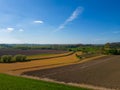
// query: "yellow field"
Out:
[20,67]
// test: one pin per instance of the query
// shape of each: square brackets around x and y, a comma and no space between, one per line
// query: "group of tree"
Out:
[110,50]
[43,46]
[10,58]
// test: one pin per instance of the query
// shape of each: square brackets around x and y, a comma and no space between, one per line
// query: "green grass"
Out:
[39,56]
[8,82]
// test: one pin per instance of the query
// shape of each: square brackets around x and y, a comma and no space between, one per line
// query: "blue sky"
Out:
[59,21]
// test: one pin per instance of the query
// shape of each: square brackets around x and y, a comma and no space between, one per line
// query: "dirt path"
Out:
[102,72]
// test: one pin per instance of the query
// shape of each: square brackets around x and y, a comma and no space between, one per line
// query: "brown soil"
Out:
[102,72]
[28,52]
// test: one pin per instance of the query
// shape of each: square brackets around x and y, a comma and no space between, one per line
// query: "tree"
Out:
[107,46]
[6,58]
[19,58]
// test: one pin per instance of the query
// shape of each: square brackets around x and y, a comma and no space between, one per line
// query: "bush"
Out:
[9,58]
[79,56]
[6,58]
[112,52]
[19,58]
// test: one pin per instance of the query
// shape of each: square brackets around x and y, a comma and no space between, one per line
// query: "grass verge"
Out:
[8,82]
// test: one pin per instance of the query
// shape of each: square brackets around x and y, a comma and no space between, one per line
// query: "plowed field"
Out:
[102,72]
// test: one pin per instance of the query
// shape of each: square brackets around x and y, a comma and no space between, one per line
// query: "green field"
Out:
[8,82]
[39,56]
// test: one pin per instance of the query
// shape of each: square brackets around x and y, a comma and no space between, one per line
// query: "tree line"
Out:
[110,50]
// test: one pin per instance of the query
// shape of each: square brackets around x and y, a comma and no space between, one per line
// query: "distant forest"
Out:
[55,46]
[39,46]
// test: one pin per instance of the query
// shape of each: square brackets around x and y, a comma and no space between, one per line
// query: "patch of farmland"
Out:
[38,64]
[102,72]
[29,52]
[48,56]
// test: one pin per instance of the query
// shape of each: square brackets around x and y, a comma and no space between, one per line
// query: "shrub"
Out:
[19,58]
[9,58]
[79,56]
[6,58]
[112,52]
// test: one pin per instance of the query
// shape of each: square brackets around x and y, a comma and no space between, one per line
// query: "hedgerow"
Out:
[10,58]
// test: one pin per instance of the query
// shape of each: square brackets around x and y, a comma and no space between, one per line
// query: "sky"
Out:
[59,21]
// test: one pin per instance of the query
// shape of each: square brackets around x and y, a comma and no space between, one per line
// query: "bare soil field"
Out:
[29,52]
[102,72]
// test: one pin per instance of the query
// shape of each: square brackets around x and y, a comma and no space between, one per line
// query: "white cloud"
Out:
[38,21]
[21,30]
[8,30]
[74,15]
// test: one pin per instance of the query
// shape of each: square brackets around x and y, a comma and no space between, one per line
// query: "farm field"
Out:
[8,82]
[48,56]
[59,45]
[39,56]
[102,72]
[29,52]
[58,60]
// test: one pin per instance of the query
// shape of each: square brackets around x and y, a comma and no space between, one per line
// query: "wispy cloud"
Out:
[73,16]
[8,30]
[20,30]
[38,21]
